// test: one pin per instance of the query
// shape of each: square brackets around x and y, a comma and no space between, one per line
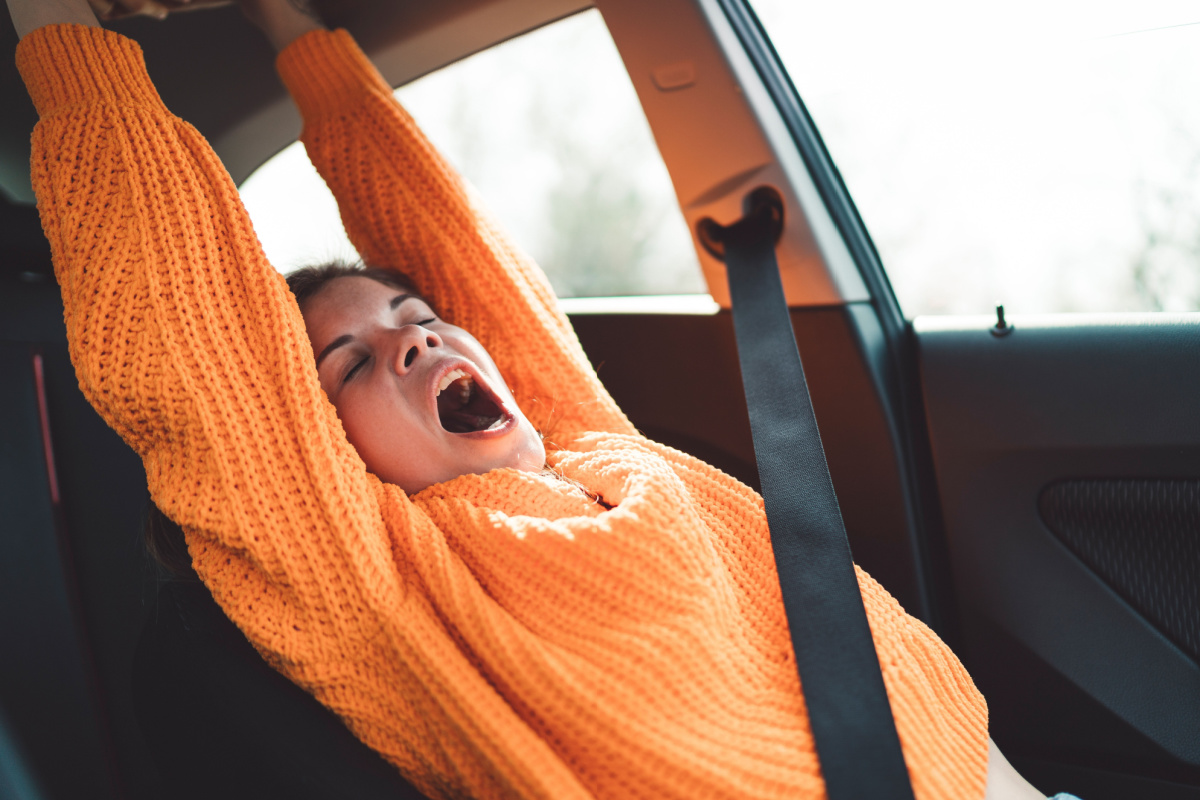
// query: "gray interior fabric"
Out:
[1142,536]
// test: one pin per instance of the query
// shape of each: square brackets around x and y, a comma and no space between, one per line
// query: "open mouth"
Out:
[464,406]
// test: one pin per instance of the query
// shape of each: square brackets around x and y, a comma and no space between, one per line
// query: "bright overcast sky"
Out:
[1019,152]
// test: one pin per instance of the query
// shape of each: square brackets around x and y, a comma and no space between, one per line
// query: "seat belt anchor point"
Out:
[762,213]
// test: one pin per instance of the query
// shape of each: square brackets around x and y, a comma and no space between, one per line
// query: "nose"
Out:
[412,342]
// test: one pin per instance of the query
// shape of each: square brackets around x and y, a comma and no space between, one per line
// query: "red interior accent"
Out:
[39,381]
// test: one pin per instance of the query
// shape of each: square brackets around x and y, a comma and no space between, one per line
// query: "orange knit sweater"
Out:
[497,635]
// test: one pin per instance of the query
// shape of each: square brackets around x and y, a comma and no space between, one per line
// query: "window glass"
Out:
[1042,154]
[548,128]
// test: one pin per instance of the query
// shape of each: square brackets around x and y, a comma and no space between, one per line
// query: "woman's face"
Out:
[419,398]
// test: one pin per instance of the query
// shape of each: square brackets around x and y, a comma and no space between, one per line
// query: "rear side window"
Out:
[548,128]
[1042,154]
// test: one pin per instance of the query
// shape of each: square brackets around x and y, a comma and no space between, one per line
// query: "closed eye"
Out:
[350,373]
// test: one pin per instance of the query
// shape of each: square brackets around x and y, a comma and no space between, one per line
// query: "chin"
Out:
[530,460]
[531,457]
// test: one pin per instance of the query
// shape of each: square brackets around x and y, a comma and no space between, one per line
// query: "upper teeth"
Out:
[449,378]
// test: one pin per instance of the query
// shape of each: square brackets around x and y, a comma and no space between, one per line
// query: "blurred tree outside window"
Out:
[548,128]
[1040,153]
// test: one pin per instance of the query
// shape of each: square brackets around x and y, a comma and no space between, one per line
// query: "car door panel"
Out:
[1059,425]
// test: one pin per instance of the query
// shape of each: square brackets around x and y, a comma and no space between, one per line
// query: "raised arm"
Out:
[404,207]
[187,341]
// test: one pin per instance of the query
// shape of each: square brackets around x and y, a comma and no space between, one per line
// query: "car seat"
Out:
[222,723]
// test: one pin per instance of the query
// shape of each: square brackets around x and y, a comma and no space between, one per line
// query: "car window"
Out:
[1042,154]
[548,128]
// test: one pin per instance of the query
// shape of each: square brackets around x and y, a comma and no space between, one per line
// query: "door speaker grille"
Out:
[1142,537]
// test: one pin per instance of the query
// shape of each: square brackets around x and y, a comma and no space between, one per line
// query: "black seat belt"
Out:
[848,708]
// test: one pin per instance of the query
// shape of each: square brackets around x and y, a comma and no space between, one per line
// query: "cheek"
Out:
[361,419]
[356,423]
[390,441]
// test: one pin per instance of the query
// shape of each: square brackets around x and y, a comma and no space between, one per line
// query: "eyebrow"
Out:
[346,338]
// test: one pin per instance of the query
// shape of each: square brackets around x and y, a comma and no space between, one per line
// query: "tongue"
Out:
[462,408]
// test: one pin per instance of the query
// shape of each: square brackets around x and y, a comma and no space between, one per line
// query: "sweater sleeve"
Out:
[405,208]
[189,344]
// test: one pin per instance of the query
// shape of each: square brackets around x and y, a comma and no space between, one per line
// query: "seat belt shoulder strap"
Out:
[852,724]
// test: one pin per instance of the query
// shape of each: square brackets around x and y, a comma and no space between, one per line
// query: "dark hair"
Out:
[163,538]
[165,544]
[307,282]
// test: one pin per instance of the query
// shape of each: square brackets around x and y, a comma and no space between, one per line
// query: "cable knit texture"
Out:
[498,635]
